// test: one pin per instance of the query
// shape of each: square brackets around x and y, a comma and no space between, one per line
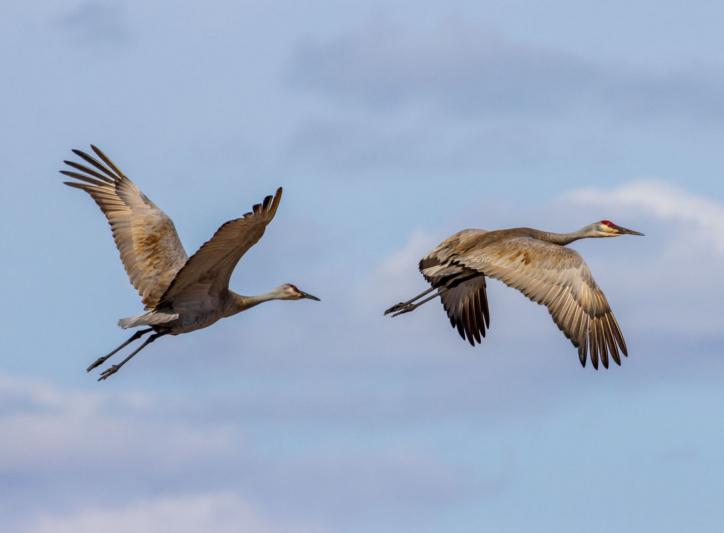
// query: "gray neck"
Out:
[563,238]
[236,303]
[567,238]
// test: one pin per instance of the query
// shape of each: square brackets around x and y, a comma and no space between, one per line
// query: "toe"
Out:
[108,373]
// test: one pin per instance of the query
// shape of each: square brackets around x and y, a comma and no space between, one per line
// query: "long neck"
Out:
[566,238]
[236,303]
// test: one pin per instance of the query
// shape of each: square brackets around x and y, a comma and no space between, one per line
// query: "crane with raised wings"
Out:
[180,293]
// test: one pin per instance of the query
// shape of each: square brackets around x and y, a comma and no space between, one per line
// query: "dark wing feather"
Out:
[462,290]
[466,305]
[208,271]
[145,236]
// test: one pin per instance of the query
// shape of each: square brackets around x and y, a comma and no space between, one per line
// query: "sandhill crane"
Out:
[181,294]
[537,264]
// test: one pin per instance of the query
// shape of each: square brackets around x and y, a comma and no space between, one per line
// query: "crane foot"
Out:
[401,308]
[96,363]
[108,372]
[394,308]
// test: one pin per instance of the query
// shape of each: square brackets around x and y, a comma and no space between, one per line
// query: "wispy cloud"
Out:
[393,274]
[669,281]
[202,470]
[703,217]
[468,72]
[97,22]
[212,513]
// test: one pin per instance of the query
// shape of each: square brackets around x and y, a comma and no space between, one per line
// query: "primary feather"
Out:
[145,236]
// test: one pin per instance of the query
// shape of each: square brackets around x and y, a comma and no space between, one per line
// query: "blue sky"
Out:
[390,125]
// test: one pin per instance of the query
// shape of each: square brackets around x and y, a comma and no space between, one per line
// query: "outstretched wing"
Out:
[145,236]
[558,278]
[208,271]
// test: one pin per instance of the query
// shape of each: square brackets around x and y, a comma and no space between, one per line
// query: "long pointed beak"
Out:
[627,231]
[309,296]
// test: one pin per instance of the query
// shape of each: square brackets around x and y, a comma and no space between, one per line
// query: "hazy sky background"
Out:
[390,125]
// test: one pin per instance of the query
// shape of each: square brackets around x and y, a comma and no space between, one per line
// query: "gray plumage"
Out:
[181,294]
[536,263]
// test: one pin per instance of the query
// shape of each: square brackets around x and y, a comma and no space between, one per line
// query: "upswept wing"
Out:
[558,278]
[208,271]
[145,236]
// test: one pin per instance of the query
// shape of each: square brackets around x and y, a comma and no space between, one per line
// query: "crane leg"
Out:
[403,305]
[108,372]
[140,333]
[407,307]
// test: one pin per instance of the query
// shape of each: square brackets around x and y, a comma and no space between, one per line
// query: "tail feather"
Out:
[152,318]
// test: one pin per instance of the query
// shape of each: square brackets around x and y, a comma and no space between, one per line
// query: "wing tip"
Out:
[106,160]
[277,198]
[111,171]
[268,206]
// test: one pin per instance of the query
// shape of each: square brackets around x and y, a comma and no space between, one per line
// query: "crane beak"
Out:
[626,231]
[308,296]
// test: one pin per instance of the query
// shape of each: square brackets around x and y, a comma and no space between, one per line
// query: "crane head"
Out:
[606,228]
[291,292]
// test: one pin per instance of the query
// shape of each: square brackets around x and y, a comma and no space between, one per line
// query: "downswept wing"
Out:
[145,236]
[558,278]
[208,271]
[462,290]
[466,305]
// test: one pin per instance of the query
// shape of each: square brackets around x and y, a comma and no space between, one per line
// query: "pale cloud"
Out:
[669,281]
[183,458]
[398,272]
[67,428]
[211,513]
[703,217]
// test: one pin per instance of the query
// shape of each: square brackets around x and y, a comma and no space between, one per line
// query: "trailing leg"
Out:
[115,368]
[407,307]
[137,335]
[402,305]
